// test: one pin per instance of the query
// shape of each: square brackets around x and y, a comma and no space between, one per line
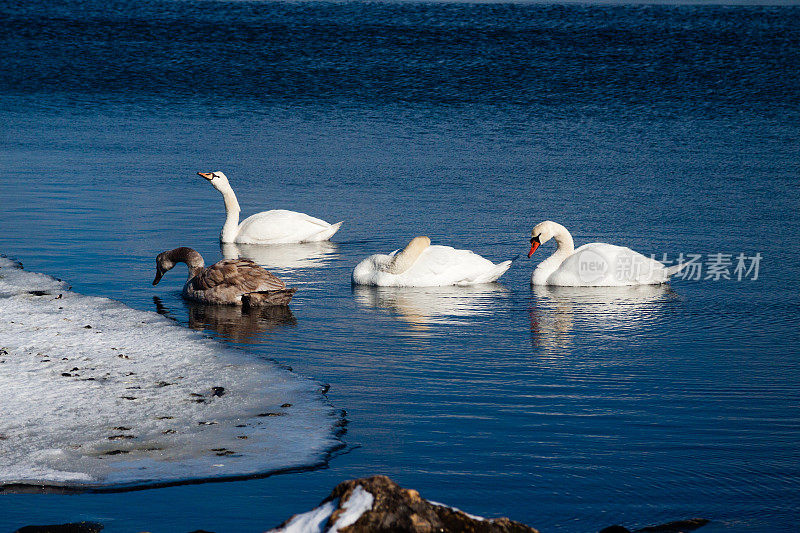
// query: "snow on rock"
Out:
[98,394]
[312,521]
[378,504]
[317,520]
[359,502]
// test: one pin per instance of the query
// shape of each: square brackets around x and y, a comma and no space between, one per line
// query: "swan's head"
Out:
[217,179]
[543,232]
[163,264]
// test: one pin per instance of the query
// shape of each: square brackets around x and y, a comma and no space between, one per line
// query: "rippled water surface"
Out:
[670,129]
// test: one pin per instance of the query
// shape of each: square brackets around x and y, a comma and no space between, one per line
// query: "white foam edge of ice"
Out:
[315,520]
[98,394]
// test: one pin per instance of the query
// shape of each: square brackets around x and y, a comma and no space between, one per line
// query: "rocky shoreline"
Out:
[378,504]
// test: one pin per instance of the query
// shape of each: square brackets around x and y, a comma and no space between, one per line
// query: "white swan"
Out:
[421,265]
[277,226]
[592,265]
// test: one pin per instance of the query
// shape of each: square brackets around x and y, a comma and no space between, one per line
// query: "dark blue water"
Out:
[669,129]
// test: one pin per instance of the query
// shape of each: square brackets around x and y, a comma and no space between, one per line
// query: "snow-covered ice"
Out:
[98,394]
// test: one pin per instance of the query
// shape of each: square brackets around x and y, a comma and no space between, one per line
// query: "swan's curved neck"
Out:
[566,247]
[232,211]
[191,257]
[404,259]
[564,240]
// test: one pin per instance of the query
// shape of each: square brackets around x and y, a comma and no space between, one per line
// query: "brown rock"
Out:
[397,510]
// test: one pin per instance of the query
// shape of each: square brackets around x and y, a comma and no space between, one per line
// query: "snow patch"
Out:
[312,521]
[96,394]
[359,502]
[315,520]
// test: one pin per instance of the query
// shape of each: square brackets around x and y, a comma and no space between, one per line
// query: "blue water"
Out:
[668,129]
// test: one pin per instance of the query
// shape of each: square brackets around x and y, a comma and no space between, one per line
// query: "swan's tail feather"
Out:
[266,298]
[493,274]
[503,267]
[325,234]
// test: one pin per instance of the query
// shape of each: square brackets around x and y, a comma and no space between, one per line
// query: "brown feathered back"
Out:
[236,275]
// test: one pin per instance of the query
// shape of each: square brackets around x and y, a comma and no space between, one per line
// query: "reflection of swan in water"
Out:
[282,256]
[421,306]
[234,323]
[557,311]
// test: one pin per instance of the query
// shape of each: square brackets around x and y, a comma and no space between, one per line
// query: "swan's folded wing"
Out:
[242,275]
[447,265]
[441,260]
[280,226]
[607,265]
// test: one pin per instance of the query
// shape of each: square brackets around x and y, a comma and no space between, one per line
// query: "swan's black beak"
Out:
[207,175]
[159,273]
[534,245]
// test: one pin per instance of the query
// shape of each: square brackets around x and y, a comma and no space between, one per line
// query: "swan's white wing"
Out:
[280,226]
[444,265]
[601,264]
[436,266]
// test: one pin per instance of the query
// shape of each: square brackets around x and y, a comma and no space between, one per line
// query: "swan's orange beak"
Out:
[206,175]
[534,245]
